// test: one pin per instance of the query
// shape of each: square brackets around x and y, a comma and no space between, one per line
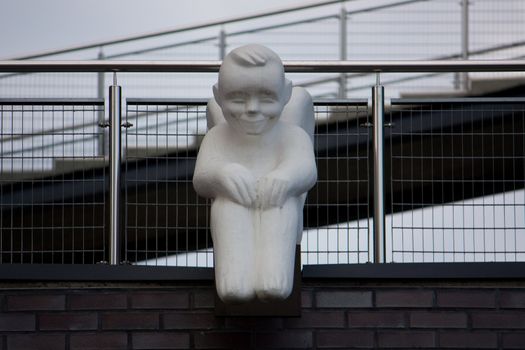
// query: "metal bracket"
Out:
[369,125]
[104,125]
[126,125]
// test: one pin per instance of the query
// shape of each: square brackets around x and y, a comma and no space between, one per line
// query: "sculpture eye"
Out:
[268,96]
[236,97]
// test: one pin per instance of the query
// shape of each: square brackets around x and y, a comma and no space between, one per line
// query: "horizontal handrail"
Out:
[328,66]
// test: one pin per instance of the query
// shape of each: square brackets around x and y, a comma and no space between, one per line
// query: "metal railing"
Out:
[337,136]
[356,30]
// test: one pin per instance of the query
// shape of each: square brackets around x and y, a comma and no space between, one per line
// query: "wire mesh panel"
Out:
[167,223]
[336,220]
[52,181]
[457,180]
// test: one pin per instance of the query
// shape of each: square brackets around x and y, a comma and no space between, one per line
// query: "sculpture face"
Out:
[252,98]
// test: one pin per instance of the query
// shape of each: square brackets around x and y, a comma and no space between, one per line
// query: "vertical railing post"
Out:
[101,140]
[461,80]
[222,44]
[378,111]
[465,85]
[115,117]
[342,51]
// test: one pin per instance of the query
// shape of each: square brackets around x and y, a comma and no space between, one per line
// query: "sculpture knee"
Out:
[269,293]
[234,290]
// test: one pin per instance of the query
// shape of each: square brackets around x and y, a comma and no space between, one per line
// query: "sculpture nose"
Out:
[252,106]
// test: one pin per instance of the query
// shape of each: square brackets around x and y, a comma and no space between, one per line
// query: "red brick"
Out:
[512,299]
[97,301]
[36,302]
[287,339]
[343,299]
[222,340]
[36,342]
[204,299]
[501,320]
[438,320]
[468,340]
[375,319]
[405,298]
[160,300]
[17,322]
[334,319]
[466,299]
[345,339]
[405,339]
[70,321]
[99,341]
[513,340]
[162,340]
[189,320]
[130,320]
[254,323]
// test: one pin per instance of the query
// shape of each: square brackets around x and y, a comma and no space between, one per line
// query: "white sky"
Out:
[30,26]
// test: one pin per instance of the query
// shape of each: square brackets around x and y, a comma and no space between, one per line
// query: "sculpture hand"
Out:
[273,191]
[238,184]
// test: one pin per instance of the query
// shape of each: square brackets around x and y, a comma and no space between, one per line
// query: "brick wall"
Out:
[334,316]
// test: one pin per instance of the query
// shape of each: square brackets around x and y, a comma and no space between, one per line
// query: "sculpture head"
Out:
[252,90]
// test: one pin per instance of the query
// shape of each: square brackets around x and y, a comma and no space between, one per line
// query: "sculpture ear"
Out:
[287,91]
[216,94]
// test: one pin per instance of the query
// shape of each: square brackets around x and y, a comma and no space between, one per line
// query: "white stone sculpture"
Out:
[257,163]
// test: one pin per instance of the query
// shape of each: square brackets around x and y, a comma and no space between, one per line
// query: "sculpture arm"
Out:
[295,174]
[216,176]
[298,163]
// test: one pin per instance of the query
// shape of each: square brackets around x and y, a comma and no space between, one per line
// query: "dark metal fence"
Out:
[457,178]
[167,222]
[52,182]
[454,174]
[337,216]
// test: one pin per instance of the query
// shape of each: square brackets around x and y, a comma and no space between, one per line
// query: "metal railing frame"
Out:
[339,67]
[461,81]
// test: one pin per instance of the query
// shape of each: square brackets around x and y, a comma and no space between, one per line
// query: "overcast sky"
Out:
[30,26]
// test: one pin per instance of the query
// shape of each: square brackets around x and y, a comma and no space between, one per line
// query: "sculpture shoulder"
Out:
[219,131]
[293,134]
[300,111]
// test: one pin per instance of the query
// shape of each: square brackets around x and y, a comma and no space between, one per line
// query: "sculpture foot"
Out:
[235,290]
[276,286]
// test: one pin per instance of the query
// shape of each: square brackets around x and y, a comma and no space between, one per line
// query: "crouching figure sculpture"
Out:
[257,163]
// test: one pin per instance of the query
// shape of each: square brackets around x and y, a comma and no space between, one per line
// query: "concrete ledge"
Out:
[423,271]
[101,272]
[405,271]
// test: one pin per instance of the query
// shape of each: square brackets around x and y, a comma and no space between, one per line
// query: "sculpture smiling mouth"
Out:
[253,126]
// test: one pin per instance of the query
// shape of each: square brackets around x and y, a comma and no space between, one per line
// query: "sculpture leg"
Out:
[233,244]
[276,239]
[300,216]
